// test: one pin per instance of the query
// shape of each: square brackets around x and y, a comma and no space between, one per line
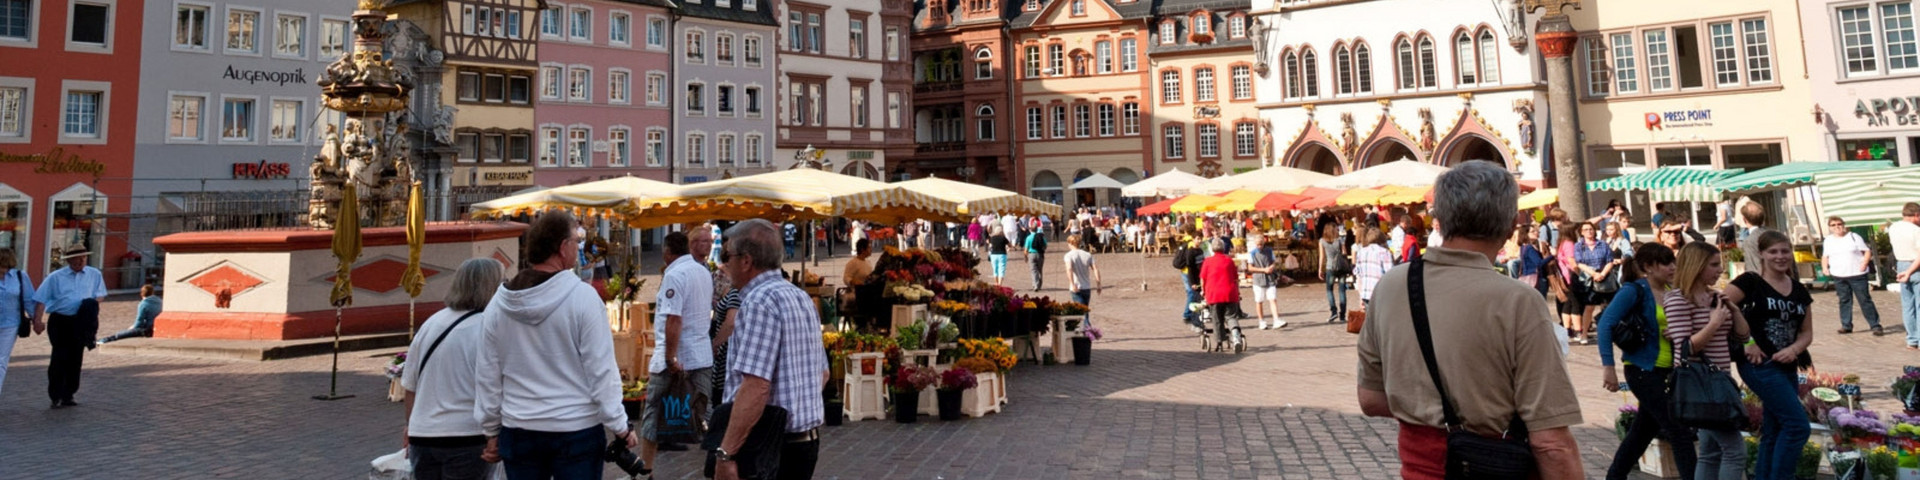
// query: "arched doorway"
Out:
[861,169]
[1317,157]
[1046,186]
[1473,147]
[1125,175]
[1084,196]
[1388,151]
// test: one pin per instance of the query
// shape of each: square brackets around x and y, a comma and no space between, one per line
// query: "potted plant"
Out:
[953,382]
[1856,428]
[395,369]
[1735,261]
[905,385]
[1903,389]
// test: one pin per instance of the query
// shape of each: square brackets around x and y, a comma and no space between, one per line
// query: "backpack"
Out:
[1036,243]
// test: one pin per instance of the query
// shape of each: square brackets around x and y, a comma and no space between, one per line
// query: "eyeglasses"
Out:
[725,256]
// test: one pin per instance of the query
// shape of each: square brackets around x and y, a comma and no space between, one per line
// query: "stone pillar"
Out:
[1556,39]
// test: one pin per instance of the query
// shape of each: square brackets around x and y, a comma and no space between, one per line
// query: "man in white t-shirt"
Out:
[681,320]
[1845,259]
[1905,236]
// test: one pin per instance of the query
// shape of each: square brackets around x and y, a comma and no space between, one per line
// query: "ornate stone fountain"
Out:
[373,152]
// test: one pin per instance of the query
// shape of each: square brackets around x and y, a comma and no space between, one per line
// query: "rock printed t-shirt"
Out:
[1774,318]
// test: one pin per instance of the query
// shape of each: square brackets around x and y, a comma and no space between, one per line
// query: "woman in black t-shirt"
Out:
[997,253]
[1774,308]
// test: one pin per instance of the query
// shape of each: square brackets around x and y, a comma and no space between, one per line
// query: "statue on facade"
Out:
[1259,31]
[1349,140]
[1428,140]
[1266,142]
[1524,107]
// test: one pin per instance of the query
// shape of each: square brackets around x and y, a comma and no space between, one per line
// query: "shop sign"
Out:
[860,155]
[491,176]
[262,170]
[693,179]
[297,76]
[1679,118]
[56,160]
[1885,112]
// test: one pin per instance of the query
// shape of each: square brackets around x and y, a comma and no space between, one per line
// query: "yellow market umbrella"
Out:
[1197,203]
[1540,198]
[1241,200]
[1361,197]
[795,194]
[1404,195]
[346,245]
[411,279]
[1269,179]
[978,199]
[604,197]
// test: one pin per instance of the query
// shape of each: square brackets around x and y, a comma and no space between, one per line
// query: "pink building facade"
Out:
[602,91]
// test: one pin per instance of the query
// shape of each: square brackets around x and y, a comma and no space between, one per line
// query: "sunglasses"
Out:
[725,256]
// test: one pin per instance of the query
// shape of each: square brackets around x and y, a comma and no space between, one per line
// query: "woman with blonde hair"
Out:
[1700,323]
[1370,262]
[1774,305]
[16,308]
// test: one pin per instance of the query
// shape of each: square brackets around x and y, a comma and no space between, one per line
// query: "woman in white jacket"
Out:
[444,441]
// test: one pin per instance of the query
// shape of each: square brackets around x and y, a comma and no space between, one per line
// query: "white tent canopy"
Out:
[1098,180]
[1402,173]
[1270,179]
[1173,183]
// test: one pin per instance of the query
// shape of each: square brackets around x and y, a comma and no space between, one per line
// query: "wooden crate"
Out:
[904,315]
[980,400]
[630,316]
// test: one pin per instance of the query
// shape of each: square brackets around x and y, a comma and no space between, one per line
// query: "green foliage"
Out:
[912,336]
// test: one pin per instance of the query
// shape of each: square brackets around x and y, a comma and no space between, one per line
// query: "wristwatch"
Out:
[722,455]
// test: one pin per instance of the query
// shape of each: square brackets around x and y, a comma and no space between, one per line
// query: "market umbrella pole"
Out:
[346,248]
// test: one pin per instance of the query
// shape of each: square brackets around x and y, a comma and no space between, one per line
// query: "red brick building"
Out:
[962,98]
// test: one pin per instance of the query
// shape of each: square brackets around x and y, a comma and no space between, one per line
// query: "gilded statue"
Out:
[1428,140]
[1349,141]
[1524,107]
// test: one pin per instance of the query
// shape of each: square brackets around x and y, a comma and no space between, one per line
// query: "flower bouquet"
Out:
[398,366]
[905,385]
[1903,389]
[1903,432]
[1625,420]
[994,350]
[949,308]
[909,294]
[1070,308]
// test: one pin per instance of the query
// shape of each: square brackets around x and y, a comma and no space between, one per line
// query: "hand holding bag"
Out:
[1631,332]
[682,410]
[1704,395]
[1469,455]
[759,455]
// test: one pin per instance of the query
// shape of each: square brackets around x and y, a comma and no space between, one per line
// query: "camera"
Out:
[618,454]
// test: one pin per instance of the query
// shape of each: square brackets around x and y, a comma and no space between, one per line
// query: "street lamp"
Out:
[966,173]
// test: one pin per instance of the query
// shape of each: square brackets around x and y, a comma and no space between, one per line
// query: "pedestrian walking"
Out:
[1904,234]
[17,318]
[1774,306]
[1335,266]
[70,298]
[1754,217]
[1845,258]
[1649,365]
[1594,261]
[777,358]
[1221,281]
[1500,371]
[1036,247]
[1083,276]
[1700,322]
[548,333]
[1533,262]
[1188,258]
[444,440]
[143,316]
[1265,269]
[713,232]
[682,318]
[1370,263]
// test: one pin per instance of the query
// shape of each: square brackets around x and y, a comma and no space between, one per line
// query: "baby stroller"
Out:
[1234,341]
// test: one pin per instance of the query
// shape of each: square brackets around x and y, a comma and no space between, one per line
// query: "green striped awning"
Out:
[1789,175]
[1867,197]
[1668,184]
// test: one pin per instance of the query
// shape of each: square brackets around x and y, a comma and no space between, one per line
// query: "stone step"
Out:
[257,350]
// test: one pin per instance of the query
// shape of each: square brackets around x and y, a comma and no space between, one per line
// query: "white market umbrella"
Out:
[1270,179]
[1098,180]
[1174,183]
[1402,173]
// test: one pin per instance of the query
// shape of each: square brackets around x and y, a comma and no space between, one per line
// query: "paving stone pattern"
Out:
[1152,406]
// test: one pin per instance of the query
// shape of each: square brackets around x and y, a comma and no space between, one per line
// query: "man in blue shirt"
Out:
[70,297]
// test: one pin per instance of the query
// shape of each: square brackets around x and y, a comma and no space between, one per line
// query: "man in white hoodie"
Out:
[548,389]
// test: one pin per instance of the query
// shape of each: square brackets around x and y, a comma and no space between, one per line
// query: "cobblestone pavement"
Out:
[1152,406]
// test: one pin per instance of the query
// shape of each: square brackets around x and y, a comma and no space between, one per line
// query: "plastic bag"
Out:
[392,466]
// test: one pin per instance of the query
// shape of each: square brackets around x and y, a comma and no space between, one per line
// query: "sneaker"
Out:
[1279,324]
[1263,324]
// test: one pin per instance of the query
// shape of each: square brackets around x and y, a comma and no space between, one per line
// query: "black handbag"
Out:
[1607,284]
[1631,333]
[1469,455]
[759,455]
[1703,395]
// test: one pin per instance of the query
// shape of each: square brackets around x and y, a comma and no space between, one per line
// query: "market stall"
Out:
[1269,179]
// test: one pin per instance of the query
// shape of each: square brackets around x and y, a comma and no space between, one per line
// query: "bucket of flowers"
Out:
[954,382]
[905,385]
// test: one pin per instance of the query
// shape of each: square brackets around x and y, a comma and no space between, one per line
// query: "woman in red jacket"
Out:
[1220,282]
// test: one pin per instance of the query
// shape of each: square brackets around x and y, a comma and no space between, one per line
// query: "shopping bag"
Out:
[392,466]
[1355,320]
[681,412]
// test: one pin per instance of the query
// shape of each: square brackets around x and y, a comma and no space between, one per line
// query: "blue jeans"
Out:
[1910,303]
[1083,297]
[1193,297]
[1723,456]
[531,455]
[1337,303]
[999,265]
[1783,430]
[1850,288]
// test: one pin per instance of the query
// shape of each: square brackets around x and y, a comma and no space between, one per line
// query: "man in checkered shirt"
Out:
[775,356]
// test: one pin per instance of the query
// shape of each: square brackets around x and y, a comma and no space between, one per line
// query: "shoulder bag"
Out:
[1631,332]
[1703,395]
[1469,455]
[1337,265]
[26,317]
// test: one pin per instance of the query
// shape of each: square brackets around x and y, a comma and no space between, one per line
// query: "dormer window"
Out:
[1202,27]
[1079,8]
[1237,26]
[1031,5]
[1166,32]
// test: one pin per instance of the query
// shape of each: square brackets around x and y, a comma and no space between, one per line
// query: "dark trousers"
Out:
[1654,420]
[797,460]
[71,336]
[1850,288]
[1039,263]
[129,333]
[1221,312]
[1083,297]
[532,455]
[448,463]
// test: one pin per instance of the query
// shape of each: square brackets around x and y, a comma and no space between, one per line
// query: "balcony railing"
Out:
[921,88]
[940,147]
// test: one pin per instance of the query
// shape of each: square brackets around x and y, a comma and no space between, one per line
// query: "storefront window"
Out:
[1751,156]
[76,222]
[1870,149]
[1700,156]
[13,222]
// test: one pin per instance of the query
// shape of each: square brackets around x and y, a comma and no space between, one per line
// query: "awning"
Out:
[1668,184]
[1270,179]
[1162,207]
[1789,175]
[1318,198]
[1098,180]
[1540,198]
[1360,197]
[1867,197]
[975,199]
[1406,195]
[1196,203]
[1171,183]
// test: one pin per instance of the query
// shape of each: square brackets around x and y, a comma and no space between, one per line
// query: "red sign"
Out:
[262,170]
